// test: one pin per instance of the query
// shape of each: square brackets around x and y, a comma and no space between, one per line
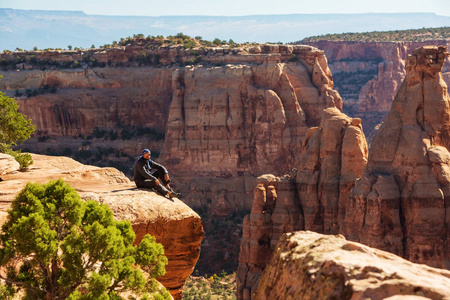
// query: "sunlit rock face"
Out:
[232,116]
[177,227]
[308,265]
[401,204]
[312,197]
[368,75]
[394,198]
[227,125]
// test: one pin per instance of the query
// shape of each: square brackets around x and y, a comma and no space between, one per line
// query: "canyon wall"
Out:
[401,202]
[230,124]
[234,115]
[312,197]
[368,75]
[394,198]
[221,116]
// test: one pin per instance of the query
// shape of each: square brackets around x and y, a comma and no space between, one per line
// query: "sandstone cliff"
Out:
[173,224]
[228,124]
[401,203]
[335,157]
[314,197]
[236,114]
[308,265]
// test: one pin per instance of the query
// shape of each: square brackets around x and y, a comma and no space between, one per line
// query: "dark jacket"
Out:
[143,169]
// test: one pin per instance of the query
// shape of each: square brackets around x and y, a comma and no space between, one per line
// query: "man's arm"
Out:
[155,165]
[143,171]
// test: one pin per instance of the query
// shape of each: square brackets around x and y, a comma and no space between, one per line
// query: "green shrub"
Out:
[293,58]
[74,249]
[24,159]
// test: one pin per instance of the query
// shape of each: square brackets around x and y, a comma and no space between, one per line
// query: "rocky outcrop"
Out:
[261,227]
[106,98]
[308,265]
[378,93]
[335,157]
[384,63]
[313,197]
[173,224]
[401,203]
[8,164]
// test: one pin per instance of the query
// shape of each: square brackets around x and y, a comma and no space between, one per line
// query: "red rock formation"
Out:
[257,234]
[401,203]
[173,224]
[275,211]
[224,125]
[335,156]
[236,114]
[228,124]
[378,93]
[308,265]
[369,74]
[90,98]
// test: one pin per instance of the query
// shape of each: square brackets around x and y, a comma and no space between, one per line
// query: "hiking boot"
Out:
[173,194]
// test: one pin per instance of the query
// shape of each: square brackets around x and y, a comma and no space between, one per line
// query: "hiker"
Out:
[158,180]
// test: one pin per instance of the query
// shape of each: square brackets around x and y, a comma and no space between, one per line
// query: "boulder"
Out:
[8,164]
[308,265]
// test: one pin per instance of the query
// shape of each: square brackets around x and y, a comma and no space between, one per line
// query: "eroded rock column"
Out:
[401,203]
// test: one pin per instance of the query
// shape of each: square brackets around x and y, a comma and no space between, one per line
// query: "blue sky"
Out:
[232,7]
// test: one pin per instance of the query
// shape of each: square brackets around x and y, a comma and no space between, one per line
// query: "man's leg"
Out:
[160,175]
[150,184]
[165,184]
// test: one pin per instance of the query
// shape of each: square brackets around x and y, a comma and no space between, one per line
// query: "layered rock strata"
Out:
[227,117]
[173,224]
[401,203]
[274,211]
[238,121]
[382,63]
[313,197]
[234,115]
[335,157]
[308,265]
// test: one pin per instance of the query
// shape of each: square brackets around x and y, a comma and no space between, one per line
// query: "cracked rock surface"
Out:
[308,265]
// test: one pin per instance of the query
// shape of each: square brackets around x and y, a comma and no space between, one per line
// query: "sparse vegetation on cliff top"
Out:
[215,287]
[144,51]
[172,40]
[411,35]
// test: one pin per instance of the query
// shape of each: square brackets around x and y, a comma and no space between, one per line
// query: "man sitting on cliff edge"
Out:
[158,180]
